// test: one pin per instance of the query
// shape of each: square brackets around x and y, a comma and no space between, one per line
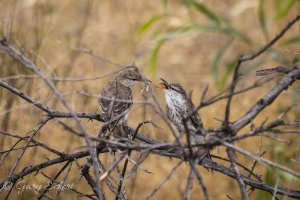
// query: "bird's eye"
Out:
[174,89]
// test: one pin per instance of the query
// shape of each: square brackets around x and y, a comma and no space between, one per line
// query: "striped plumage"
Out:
[180,108]
[115,99]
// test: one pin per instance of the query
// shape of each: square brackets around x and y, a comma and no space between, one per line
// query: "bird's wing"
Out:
[124,100]
[106,96]
[194,117]
[169,114]
[115,99]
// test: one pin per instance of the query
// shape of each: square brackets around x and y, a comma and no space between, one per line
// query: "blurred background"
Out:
[195,43]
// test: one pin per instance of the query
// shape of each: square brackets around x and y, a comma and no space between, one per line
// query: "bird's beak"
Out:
[163,85]
[160,86]
[148,81]
[145,80]
[164,81]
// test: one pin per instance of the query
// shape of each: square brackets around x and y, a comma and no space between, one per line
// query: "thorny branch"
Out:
[225,135]
[27,63]
[154,144]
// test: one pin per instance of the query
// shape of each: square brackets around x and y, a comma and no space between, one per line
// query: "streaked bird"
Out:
[115,102]
[180,109]
[115,99]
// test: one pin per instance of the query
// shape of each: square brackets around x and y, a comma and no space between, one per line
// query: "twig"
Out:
[273,41]
[150,195]
[72,189]
[92,183]
[275,191]
[189,185]
[112,166]
[26,62]
[262,160]
[43,123]
[228,172]
[129,153]
[46,189]
[173,153]
[230,153]
[200,180]
[282,85]
[226,121]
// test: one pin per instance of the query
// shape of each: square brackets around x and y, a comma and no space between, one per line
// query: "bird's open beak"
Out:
[163,85]
[160,86]
[164,81]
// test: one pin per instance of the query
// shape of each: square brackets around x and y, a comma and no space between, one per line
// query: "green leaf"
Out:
[269,177]
[286,176]
[260,194]
[220,24]
[228,30]
[232,31]
[147,25]
[157,30]
[283,7]
[175,32]
[289,41]
[207,12]
[228,71]
[154,57]
[262,20]
[166,8]
[216,61]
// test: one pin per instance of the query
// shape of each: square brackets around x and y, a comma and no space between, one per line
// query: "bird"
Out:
[180,110]
[115,99]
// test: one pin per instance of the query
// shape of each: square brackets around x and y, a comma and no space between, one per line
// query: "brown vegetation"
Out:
[71,41]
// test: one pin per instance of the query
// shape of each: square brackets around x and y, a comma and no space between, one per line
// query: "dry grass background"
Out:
[51,29]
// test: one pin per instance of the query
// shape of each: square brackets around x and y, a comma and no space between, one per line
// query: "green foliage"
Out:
[215,69]
[262,194]
[162,32]
[228,71]
[154,56]
[204,10]
[283,7]
[148,24]
[262,19]
[274,176]
[290,41]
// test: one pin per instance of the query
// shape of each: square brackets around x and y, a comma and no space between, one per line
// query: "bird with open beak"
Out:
[180,109]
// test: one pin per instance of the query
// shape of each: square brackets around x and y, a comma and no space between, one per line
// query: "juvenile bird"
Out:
[115,99]
[180,109]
